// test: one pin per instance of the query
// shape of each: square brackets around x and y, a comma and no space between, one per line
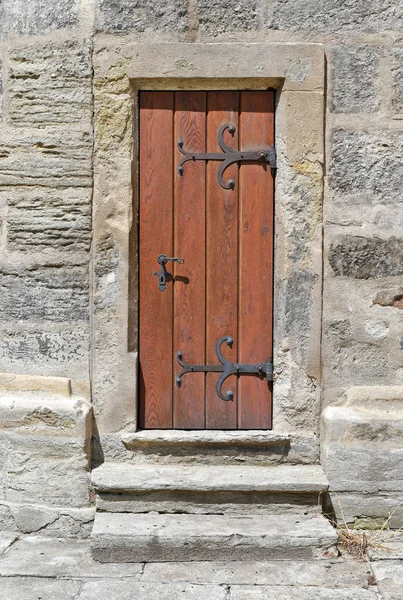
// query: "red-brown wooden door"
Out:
[225,236]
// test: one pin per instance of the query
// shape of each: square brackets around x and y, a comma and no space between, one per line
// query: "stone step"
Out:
[223,447]
[208,489]
[154,537]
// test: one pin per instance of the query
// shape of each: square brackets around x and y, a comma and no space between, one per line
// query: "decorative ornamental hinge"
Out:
[229,156]
[262,370]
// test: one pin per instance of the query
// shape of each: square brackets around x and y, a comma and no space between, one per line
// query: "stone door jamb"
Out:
[297,73]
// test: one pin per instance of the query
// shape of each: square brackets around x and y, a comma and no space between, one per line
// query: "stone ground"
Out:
[38,568]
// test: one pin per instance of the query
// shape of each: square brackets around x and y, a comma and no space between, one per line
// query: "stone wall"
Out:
[46,184]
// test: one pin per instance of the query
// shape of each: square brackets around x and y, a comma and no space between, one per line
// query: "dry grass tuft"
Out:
[357,542]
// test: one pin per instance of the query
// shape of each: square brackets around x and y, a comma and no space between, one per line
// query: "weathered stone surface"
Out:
[60,558]
[51,521]
[225,16]
[53,293]
[389,577]
[6,539]
[392,547]
[335,16]
[44,412]
[1,87]
[106,259]
[362,454]
[49,158]
[397,74]
[126,15]
[390,297]
[36,346]
[338,574]
[217,447]
[44,218]
[362,258]
[127,590]
[298,308]
[367,162]
[366,511]
[206,478]
[155,537]
[355,79]
[36,17]
[34,588]
[50,84]
[46,470]
[246,592]
[208,489]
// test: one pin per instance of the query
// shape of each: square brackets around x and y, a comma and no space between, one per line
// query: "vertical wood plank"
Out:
[221,259]
[156,200]
[189,244]
[256,259]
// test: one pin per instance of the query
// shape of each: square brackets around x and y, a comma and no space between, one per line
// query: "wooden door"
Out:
[224,286]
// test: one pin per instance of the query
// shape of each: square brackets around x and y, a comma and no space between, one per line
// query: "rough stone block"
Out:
[368,163]
[45,218]
[355,363]
[362,452]
[137,15]
[354,79]
[50,84]
[397,75]
[18,17]
[362,258]
[53,293]
[46,470]
[50,158]
[336,16]
[36,346]
[227,15]
[45,434]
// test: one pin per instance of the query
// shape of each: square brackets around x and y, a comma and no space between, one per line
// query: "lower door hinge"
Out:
[227,368]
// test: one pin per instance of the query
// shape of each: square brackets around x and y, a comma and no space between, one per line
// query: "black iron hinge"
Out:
[228,156]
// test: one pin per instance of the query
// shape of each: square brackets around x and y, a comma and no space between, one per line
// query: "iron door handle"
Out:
[162,274]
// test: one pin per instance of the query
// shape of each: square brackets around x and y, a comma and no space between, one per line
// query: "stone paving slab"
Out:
[338,573]
[247,592]
[127,590]
[390,546]
[6,539]
[49,557]
[38,588]
[389,577]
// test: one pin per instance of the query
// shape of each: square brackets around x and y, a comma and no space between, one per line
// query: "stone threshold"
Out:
[210,436]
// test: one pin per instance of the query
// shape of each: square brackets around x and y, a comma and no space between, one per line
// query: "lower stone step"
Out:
[208,489]
[126,537]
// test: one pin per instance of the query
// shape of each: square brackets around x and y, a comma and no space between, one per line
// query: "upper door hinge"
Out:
[229,156]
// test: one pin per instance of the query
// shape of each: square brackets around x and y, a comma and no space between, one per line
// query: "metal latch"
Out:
[163,273]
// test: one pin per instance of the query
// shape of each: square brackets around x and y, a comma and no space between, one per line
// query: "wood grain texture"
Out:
[155,237]
[255,326]
[221,259]
[190,243]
